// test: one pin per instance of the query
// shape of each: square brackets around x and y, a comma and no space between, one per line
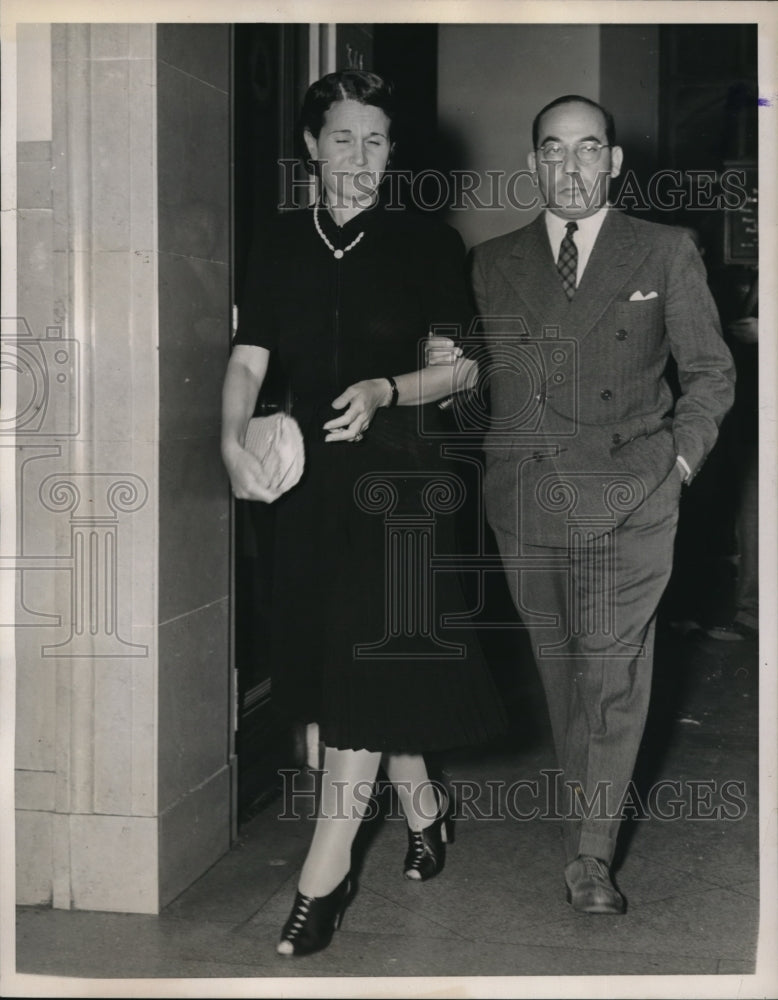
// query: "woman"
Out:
[345,293]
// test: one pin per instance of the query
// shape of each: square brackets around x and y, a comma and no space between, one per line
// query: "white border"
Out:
[765,982]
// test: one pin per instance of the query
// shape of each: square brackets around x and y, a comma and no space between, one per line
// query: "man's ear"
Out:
[617,158]
[532,162]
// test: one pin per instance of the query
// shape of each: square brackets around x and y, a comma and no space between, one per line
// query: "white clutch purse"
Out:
[277,442]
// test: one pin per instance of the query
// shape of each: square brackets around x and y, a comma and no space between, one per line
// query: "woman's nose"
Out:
[359,156]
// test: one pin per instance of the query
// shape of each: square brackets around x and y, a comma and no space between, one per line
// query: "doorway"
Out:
[271,72]
[270,67]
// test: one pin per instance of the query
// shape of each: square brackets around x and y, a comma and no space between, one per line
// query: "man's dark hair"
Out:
[610,125]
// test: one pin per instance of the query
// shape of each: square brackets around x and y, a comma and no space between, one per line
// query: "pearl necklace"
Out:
[337,254]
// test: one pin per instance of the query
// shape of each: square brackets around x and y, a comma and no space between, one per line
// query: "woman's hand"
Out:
[247,476]
[440,350]
[361,400]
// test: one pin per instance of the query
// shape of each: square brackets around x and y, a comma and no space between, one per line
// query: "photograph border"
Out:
[764,983]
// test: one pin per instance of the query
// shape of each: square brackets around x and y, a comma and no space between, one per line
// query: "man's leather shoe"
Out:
[590,888]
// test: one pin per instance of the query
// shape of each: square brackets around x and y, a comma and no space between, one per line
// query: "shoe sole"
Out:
[597,909]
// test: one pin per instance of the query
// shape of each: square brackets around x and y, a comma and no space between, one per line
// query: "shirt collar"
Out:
[588,227]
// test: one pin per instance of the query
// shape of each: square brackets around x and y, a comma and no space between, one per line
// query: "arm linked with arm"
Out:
[447,311]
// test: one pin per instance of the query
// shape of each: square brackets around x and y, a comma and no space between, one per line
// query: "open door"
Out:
[273,65]
[270,75]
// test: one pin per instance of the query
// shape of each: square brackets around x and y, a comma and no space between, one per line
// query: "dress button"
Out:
[616,439]
[606,394]
[621,335]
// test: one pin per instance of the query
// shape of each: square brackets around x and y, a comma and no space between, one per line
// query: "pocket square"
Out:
[640,297]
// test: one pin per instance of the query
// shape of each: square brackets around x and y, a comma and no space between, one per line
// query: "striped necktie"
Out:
[567,265]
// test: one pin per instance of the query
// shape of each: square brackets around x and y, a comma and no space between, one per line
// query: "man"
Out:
[586,453]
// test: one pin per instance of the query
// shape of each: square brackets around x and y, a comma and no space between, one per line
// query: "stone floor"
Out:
[498,909]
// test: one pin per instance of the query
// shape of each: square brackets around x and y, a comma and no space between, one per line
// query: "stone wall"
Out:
[123,741]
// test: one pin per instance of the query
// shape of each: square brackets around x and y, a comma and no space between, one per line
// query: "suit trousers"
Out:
[590,610]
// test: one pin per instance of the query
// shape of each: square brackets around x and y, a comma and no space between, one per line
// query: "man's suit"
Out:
[582,485]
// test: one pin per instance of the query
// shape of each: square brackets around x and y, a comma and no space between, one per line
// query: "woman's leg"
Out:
[348,778]
[417,795]
[347,782]
[425,812]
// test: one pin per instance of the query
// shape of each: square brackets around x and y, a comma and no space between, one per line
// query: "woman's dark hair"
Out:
[345,85]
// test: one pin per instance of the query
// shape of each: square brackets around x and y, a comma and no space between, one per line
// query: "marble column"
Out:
[122,629]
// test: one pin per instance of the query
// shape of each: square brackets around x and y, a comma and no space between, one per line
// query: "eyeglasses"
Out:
[585,152]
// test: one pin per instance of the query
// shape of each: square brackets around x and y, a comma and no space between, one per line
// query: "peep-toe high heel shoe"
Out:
[313,921]
[427,849]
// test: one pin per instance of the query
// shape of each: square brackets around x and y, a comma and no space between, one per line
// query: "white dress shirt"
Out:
[584,237]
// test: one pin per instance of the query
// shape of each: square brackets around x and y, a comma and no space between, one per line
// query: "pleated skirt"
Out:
[368,638]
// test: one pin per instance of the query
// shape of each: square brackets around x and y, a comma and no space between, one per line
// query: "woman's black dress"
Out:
[359,644]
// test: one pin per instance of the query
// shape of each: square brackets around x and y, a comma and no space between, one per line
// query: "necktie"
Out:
[567,265]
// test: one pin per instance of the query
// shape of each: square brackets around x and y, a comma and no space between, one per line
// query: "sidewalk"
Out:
[499,907]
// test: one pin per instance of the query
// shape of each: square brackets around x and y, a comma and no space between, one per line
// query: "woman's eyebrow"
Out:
[348,131]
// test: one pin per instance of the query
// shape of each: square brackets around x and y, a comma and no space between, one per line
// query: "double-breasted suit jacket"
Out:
[584,424]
